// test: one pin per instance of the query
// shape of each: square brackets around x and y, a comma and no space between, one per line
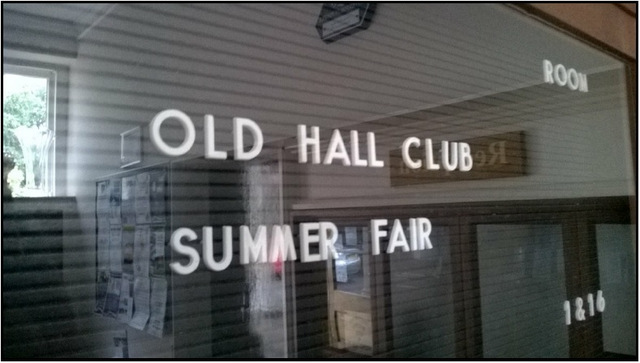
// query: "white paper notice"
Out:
[157,195]
[157,251]
[101,290]
[141,251]
[113,297]
[141,291]
[104,193]
[158,243]
[125,307]
[158,306]
[142,206]
[114,202]
[115,249]
[128,236]
[127,202]
[121,345]
[103,225]
[103,249]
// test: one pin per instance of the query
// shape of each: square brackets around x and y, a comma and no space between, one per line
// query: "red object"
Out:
[277,266]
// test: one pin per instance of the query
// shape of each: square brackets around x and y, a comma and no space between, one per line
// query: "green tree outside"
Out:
[27,108]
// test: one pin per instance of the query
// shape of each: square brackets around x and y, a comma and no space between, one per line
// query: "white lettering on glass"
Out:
[327,235]
[562,76]
[600,301]
[419,233]
[423,227]
[305,239]
[355,150]
[376,234]
[279,245]
[580,313]
[239,125]
[253,249]
[454,155]
[178,247]
[567,313]
[282,244]
[398,238]
[371,151]
[210,151]
[406,144]
[336,149]
[156,138]
[466,161]
[413,234]
[449,157]
[431,165]
[207,248]
[305,141]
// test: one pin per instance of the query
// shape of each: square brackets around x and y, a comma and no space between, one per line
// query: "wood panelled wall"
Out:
[613,26]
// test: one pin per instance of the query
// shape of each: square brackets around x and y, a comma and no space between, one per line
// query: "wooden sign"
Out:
[495,156]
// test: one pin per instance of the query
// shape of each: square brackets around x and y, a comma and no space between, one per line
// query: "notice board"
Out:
[132,228]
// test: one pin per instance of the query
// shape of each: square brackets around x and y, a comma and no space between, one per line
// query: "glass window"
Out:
[521,281]
[616,267]
[28,130]
[422,300]
[318,180]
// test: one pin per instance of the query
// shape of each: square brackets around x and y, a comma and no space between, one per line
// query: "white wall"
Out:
[27,32]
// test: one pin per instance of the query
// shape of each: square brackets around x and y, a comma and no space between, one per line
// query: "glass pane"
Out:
[618,284]
[350,272]
[422,300]
[26,135]
[435,110]
[522,288]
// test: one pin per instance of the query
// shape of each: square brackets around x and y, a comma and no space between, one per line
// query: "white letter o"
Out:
[572,79]
[560,75]
[185,121]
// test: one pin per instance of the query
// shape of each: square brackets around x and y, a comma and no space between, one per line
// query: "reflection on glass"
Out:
[422,300]
[618,284]
[349,268]
[26,135]
[522,288]
[350,297]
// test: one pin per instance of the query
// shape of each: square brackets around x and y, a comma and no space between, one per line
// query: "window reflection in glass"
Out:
[350,272]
